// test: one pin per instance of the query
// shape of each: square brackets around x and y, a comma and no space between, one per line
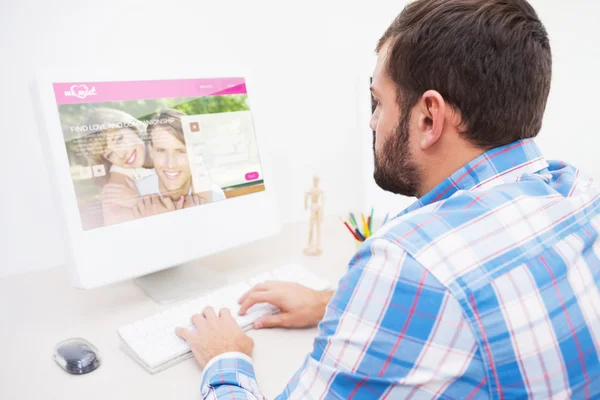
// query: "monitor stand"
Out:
[181,282]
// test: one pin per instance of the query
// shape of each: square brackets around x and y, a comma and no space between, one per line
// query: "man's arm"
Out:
[390,330]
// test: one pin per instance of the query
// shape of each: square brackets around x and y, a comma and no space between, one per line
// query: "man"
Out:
[170,188]
[487,286]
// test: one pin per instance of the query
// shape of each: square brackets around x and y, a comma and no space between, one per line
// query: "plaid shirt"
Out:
[487,287]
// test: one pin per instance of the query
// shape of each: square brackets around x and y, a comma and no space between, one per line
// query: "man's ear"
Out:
[432,108]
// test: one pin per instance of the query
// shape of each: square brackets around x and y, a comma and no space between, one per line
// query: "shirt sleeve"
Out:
[230,376]
[390,330]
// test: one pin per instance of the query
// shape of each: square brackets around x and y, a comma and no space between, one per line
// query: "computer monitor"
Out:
[150,173]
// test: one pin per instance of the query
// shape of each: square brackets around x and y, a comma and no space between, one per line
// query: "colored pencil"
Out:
[353,220]
[366,226]
[351,231]
[365,231]
[360,235]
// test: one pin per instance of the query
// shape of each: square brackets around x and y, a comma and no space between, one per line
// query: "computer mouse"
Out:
[77,356]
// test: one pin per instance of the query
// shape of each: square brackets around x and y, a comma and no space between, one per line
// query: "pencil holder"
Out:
[358,244]
[361,228]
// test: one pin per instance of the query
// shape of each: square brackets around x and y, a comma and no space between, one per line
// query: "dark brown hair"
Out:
[489,59]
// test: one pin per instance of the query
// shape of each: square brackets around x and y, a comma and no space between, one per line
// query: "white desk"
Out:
[40,309]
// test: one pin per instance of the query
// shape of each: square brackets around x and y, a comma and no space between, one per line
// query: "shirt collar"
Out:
[494,167]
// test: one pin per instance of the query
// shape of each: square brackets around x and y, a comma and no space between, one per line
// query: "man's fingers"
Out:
[141,208]
[117,190]
[167,202]
[256,297]
[199,321]
[189,200]
[117,196]
[209,313]
[112,186]
[224,313]
[256,288]
[271,321]
[156,200]
[183,333]
[109,188]
[111,191]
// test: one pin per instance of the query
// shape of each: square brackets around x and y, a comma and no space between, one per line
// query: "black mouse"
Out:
[77,356]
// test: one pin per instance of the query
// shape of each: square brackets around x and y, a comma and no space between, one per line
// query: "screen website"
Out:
[141,148]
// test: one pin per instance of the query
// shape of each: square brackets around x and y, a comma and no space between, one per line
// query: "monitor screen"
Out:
[142,148]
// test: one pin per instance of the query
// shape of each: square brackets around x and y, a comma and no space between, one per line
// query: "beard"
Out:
[395,169]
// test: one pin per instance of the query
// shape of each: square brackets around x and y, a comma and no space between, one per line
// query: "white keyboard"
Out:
[152,341]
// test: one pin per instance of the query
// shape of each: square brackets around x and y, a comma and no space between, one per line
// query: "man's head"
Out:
[455,78]
[169,152]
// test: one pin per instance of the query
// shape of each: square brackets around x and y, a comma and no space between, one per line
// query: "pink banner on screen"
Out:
[97,92]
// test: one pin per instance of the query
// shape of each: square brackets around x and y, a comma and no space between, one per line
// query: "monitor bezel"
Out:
[114,253]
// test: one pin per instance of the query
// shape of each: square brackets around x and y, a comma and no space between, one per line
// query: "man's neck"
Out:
[176,193]
[445,166]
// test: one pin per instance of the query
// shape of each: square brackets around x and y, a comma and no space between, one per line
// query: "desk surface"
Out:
[40,309]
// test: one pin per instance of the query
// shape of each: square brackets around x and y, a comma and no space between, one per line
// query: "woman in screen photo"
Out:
[122,148]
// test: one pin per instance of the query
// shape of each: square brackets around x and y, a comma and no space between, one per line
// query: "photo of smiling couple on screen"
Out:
[137,156]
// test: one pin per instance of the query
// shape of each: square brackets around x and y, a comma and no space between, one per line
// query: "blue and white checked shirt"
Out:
[487,287]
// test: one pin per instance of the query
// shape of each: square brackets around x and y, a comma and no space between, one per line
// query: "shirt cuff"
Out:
[225,356]
[229,373]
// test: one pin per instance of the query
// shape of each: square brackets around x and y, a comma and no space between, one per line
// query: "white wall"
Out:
[309,56]
[302,54]
[570,130]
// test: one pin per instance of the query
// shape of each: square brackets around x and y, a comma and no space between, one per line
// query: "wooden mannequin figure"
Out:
[317,201]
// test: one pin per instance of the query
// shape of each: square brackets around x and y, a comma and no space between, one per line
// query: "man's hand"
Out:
[299,306]
[151,205]
[192,200]
[215,335]
[124,195]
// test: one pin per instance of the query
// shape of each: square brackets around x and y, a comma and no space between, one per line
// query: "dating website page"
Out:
[141,148]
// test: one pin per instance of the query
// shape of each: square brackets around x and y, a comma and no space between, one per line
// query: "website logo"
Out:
[80,91]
